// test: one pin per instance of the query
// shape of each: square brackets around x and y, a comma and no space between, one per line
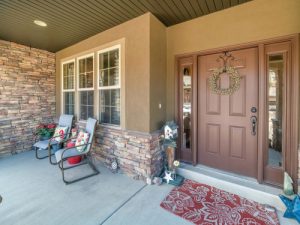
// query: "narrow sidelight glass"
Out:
[187,107]
[275,109]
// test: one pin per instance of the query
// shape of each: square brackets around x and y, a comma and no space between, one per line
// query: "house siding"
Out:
[27,94]
[135,95]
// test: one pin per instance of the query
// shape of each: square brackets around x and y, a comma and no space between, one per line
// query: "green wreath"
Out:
[234,76]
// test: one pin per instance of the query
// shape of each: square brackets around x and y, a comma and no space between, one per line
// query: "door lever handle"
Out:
[253,120]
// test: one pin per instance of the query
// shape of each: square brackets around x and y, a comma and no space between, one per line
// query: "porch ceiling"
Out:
[72,21]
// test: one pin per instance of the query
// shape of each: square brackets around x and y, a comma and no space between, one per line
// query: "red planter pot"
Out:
[75,159]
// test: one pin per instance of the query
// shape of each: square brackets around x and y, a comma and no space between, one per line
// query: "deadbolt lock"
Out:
[253,110]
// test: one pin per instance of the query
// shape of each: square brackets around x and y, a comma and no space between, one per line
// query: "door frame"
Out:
[292,125]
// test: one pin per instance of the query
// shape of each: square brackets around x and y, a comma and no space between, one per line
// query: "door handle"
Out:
[253,120]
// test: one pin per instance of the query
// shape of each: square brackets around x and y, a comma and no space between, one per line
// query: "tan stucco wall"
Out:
[158,71]
[252,21]
[136,33]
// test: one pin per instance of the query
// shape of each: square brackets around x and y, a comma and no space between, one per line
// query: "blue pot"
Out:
[44,138]
[56,147]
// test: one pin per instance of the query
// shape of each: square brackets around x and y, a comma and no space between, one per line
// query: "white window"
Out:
[85,86]
[68,87]
[109,84]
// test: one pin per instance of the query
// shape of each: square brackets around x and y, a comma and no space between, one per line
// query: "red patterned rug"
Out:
[206,205]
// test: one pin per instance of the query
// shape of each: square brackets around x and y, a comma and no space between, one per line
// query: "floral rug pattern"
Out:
[207,205]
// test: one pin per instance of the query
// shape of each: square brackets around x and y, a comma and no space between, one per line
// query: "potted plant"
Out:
[45,131]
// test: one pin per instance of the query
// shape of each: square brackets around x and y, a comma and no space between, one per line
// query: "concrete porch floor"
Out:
[33,193]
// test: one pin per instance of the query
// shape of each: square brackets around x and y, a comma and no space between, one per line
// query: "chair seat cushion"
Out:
[68,153]
[43,145]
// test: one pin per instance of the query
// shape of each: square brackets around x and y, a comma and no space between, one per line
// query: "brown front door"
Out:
[227,139]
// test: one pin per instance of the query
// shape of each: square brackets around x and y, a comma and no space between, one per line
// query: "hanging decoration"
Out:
[233,74]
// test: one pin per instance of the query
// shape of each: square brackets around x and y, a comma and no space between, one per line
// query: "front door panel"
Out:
[227,138]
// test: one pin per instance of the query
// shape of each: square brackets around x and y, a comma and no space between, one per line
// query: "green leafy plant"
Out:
[45,130]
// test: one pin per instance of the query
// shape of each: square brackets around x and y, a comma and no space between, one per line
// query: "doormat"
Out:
[204,204]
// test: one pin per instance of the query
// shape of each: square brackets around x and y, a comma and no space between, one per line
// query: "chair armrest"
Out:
[51,139]
[64,141]
[81,153]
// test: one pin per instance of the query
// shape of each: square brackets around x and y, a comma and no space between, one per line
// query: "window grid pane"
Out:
[86,72]
[69,103]
[68,76]
[86,104]
[110,106]
[109,68]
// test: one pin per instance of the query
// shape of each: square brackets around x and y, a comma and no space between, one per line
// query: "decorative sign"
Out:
[170,134]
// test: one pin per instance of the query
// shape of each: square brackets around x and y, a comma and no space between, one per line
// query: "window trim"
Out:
[119,86]
[77,71]
[62,84]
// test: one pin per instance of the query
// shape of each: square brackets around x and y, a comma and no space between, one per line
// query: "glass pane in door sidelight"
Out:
[187,107]
[275,106]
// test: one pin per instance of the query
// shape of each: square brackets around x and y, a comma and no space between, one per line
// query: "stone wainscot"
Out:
[139,155]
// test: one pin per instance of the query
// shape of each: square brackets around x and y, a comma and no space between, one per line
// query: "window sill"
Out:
[110,126]
[83,122]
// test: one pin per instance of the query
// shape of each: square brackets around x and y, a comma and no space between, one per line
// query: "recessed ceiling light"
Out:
[40,23]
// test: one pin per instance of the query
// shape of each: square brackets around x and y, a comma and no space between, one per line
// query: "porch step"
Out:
[236,184]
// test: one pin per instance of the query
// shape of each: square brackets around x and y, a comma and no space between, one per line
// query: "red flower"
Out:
[41,125]
[51,126]
[45,130]
[61,133]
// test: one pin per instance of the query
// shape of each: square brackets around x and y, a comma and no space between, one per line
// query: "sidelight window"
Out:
[275,108]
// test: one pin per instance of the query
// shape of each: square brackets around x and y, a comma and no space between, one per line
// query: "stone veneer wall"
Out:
[27,94]
[139,155]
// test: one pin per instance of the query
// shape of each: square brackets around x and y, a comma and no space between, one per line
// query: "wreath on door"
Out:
[234,76]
